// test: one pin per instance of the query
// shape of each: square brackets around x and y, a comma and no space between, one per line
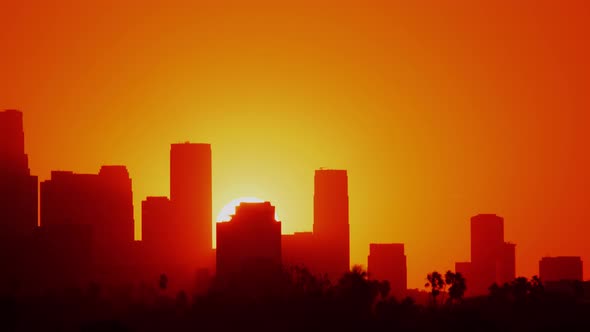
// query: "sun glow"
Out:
[230,208]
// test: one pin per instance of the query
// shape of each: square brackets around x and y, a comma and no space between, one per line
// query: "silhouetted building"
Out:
[190,197]
[465,269]
[64,255]
[298,250]
[487,240]
[331,225]
[157,228]
[177,232]
[492,260]
[18,201]
[18,189]
[160,252]
[249,248]
[388,262]
[562,268]
[12,144]
[506,271]
[102,201]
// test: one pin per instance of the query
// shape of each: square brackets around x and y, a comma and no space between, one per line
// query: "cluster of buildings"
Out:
[78,228]
[492,259]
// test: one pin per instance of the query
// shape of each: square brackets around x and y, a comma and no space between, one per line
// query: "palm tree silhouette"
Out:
[457,284]
[436,284]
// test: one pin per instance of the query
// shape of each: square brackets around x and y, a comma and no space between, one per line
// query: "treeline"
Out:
[300,302]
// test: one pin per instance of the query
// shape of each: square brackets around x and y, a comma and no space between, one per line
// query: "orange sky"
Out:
[437,111]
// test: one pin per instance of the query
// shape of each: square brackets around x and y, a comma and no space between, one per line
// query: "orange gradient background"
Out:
[438,112]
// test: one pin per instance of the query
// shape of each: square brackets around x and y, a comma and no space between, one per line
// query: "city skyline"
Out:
[437,114]
[88,218]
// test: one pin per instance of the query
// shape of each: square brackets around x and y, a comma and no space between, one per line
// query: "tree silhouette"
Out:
[163,283]
[520,288]
[499,293]
[457,284]
[536,288]
[357,291]
[578,289]
[436,284]
[303,282]
[384,289]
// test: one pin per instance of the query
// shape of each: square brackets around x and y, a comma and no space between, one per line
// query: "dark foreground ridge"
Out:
[300,302]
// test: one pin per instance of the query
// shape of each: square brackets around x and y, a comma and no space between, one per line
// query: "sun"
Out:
[230,208]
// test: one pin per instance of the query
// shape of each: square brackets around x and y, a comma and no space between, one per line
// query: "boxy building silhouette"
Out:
[388,262]
[331,227]
[191,201]
[18,202]
[158,230]
[298,250]
[18,188]
[103,202]
[561,268]
[177,231]
[249,251]
[492,259]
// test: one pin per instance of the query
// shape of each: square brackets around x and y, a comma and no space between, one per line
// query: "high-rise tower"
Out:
[190,198]
[330,225]
[18,189]
[492,259]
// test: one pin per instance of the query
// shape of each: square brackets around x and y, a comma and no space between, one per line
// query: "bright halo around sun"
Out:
[230,208]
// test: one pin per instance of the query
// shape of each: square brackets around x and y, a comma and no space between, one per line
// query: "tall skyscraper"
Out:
[190,197]
[388,262]
[330,225]
[18,201]
[487,237]
[249,252]
[492,260]
[12,144]
[562,268]
[18,189]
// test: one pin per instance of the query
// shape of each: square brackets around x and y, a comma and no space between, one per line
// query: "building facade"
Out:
[298,250]
[103,202]
[331,227]
[562,268]
[249,251]
[191,201]
[18,188]
[388,262]
[492,259]
[157,228]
